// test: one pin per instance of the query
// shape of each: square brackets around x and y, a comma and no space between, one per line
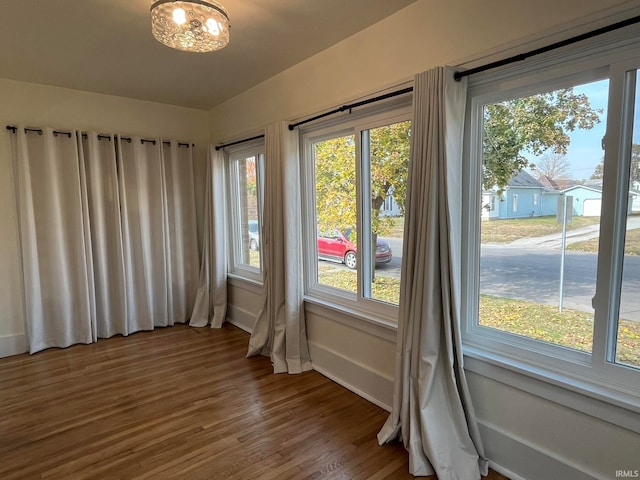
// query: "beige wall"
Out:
[531,429]
[39,105]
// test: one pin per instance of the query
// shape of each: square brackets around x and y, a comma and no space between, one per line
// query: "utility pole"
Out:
[564,216]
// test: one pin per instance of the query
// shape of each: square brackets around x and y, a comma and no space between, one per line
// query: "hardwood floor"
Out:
[183,403]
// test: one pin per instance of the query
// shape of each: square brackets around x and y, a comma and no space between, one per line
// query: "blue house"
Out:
[523,197]
[526,196]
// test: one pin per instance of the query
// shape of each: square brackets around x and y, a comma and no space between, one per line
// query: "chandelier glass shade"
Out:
[190,25]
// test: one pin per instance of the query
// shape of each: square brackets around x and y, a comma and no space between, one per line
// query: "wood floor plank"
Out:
[183,403]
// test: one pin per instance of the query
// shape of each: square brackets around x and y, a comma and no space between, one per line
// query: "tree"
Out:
[532,124]
[634,171]
[335,168]
[335,172]
[554,166]
[598,173]
[389,169]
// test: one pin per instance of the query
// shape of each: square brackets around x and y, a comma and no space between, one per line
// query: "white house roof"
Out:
[593,188]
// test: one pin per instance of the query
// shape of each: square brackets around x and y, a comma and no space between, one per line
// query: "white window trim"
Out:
[576,371]
[237,269]
[396,110]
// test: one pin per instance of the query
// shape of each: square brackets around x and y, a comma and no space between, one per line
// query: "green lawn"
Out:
[506,231]
[385,289]
[571,328]
[254,258]
[631,247]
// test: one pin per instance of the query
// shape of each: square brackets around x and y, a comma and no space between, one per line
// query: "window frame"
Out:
[589,373]
[236,268]
[387,113]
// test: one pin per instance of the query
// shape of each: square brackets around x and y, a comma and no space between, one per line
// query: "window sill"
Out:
[250,284]
[597,400]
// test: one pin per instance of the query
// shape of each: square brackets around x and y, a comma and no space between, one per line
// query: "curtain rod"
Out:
[351,106]
[220,147]
[563,43]
[326,114]
[39,131]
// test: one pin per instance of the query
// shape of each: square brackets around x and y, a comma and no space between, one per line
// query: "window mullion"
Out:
[614,215]
[472,192]
[363,182]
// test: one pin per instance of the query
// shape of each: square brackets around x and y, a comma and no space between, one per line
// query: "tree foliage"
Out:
[389,169]
[634,171]
[598,173]
[335,168]
[335,173]
[532,124]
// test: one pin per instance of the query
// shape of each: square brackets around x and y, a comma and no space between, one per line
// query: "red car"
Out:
[337,247]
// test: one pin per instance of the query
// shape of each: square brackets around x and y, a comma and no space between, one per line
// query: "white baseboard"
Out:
[240,325]
[240,318]
[13,345]
[504,471]
[359,379]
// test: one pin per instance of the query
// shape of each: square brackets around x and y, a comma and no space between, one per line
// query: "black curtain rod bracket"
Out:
[554,46]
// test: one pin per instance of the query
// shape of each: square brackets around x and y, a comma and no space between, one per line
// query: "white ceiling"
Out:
[106,46]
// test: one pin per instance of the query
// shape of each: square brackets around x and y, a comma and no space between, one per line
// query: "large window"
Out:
[537,277]
[245,201]
[355,189]
[554,271]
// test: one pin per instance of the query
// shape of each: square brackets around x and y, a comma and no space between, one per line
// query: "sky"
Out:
[585,151]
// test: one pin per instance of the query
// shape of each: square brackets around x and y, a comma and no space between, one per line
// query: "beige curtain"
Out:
[144,227]
[108,234]
[99,155]
[211,299]
[280,330]
[182,236]
[432,412]
[57,264]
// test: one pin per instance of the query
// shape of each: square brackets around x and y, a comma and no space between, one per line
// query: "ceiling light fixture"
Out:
[190,25]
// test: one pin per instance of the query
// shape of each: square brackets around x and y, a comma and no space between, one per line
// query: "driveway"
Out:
[554,241]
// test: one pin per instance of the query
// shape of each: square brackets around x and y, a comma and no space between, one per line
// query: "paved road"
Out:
[534,274]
